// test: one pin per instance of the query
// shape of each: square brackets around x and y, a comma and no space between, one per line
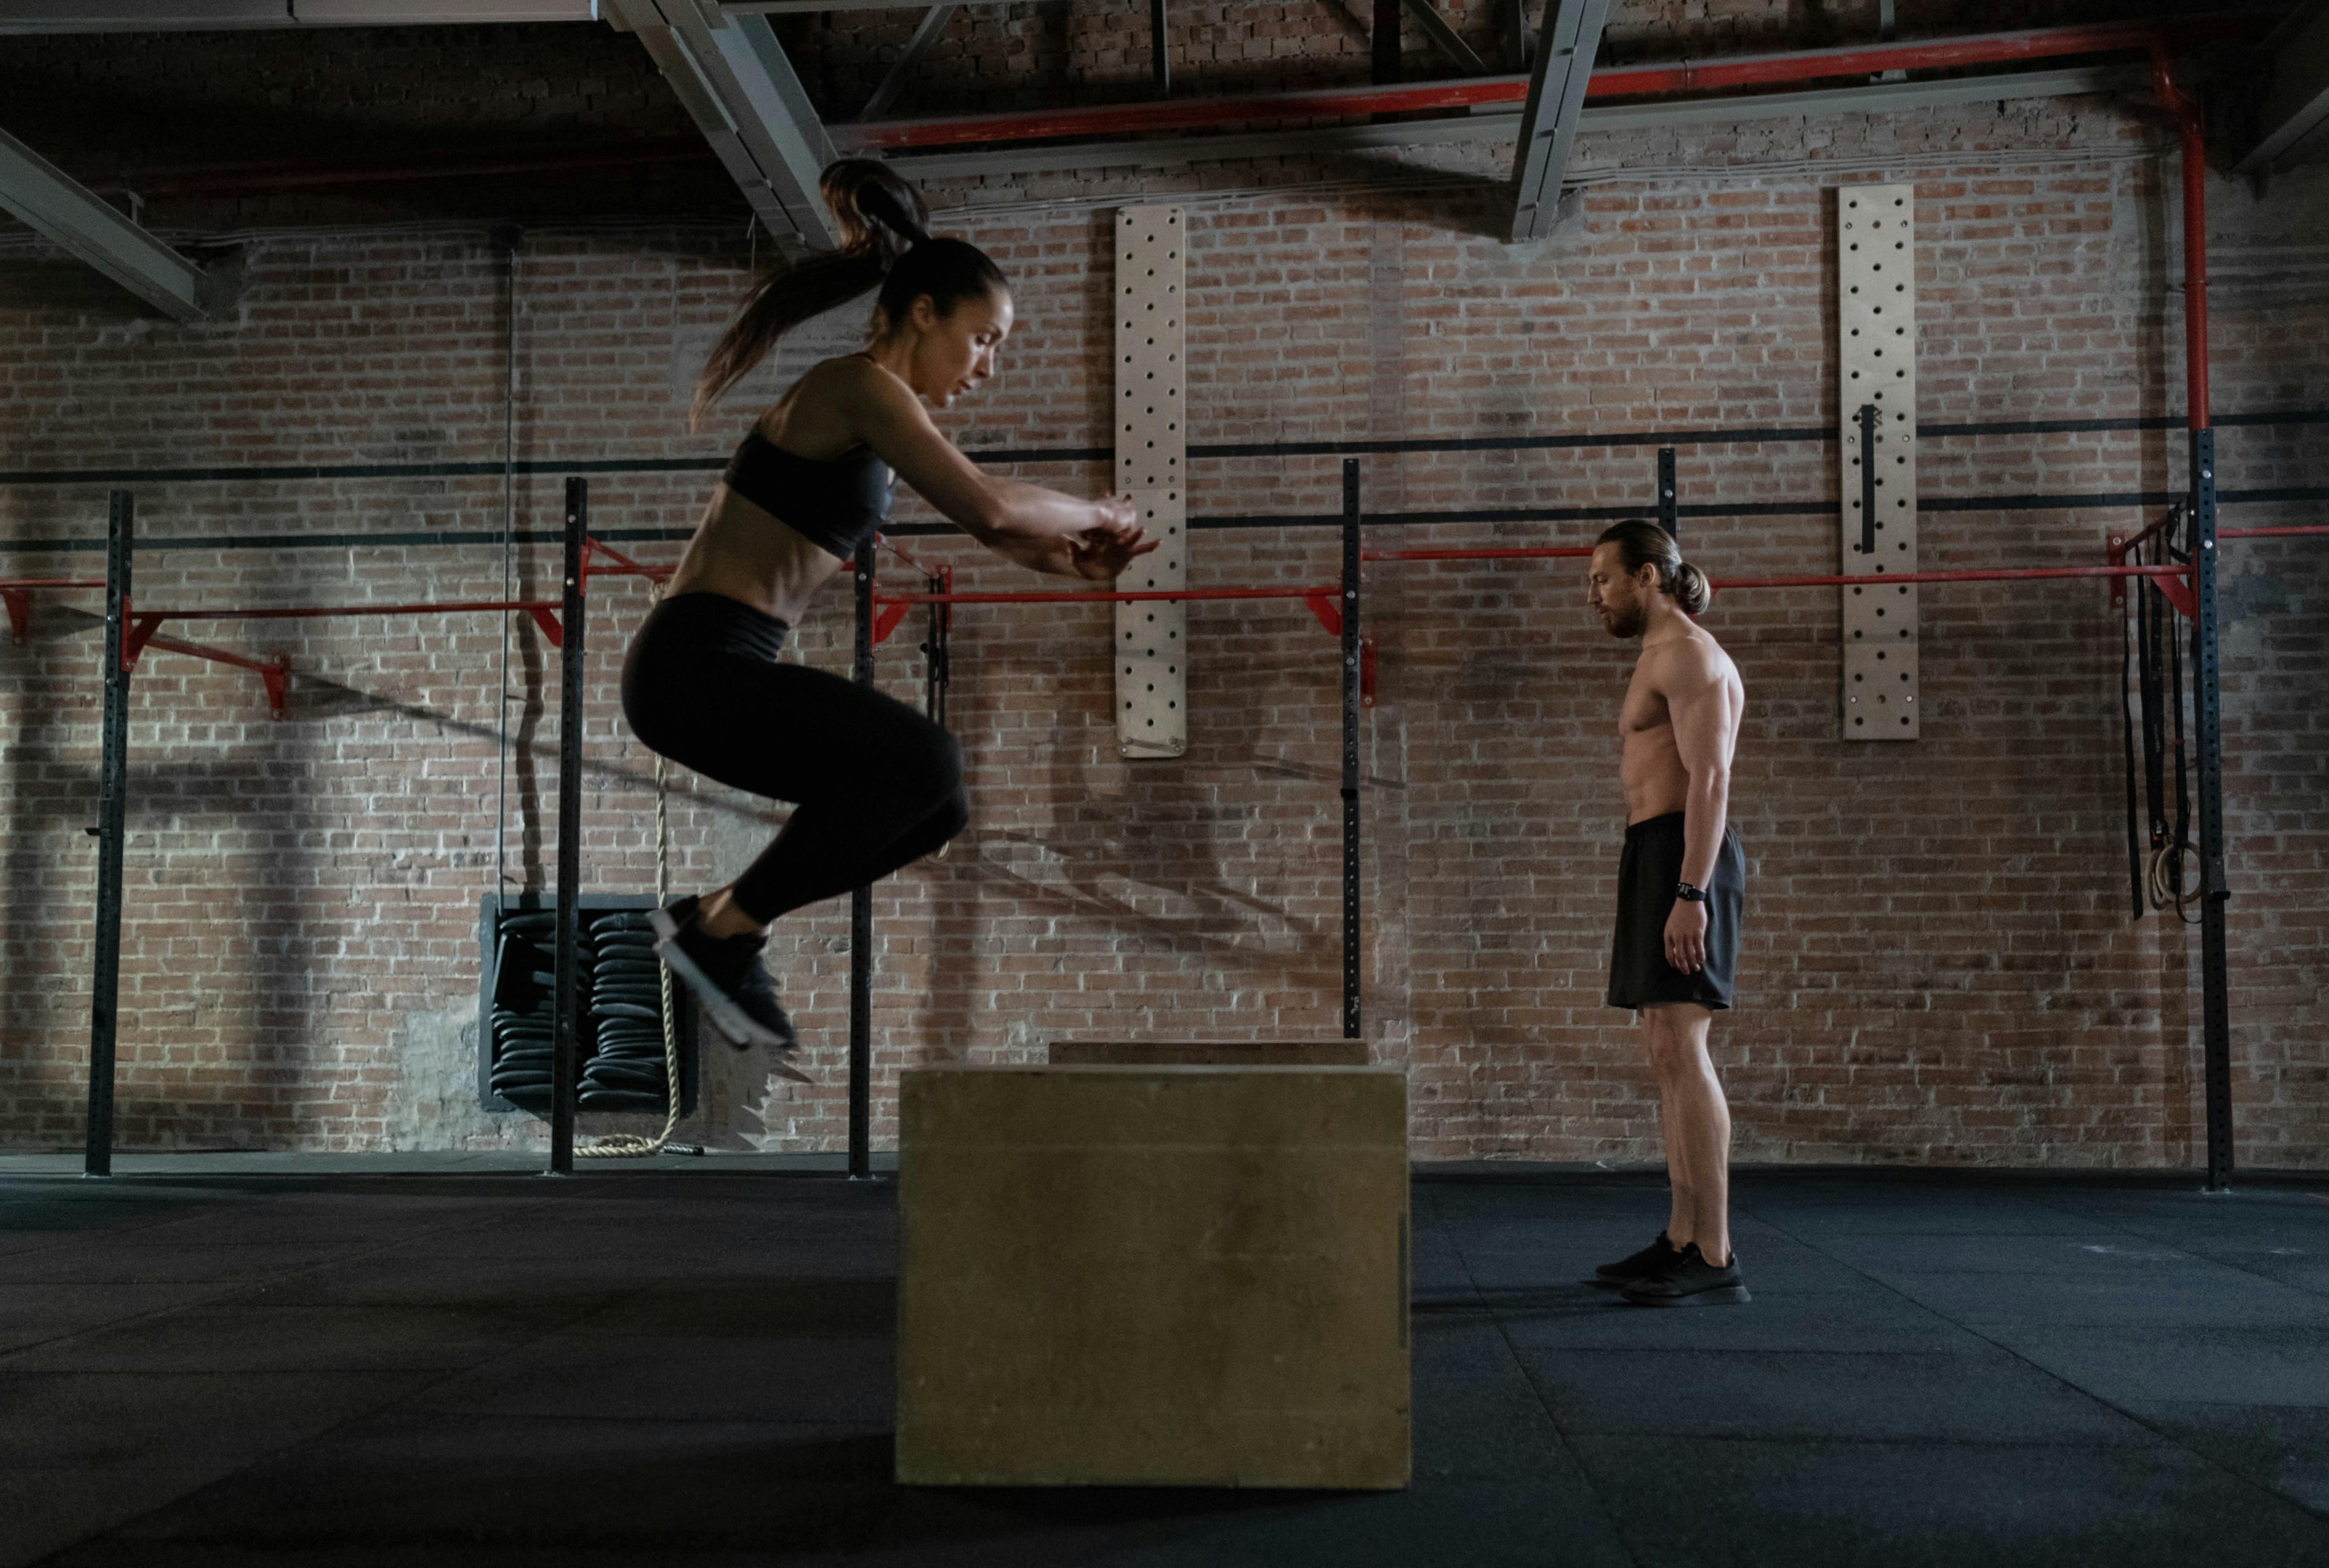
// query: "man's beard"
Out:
[1627,622]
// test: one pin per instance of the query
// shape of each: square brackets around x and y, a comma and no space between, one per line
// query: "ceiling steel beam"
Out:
[812,7]
[1878,97]
[1500,125]
[1445,38]
[2292,115]
[60,207]
[139,15]
[1564,64]
[28,16]
[1857,63]
[422,13]
[931,28]
[1495,123]
[731,75]
[1182,114]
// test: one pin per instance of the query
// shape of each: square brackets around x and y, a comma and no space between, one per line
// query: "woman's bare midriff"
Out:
[748,553]
[743,552]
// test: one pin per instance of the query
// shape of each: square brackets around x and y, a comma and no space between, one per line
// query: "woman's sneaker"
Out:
[727,977]
[1692,1281]
[1650,1260]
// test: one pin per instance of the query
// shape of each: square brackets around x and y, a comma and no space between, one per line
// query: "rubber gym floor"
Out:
[231,1359]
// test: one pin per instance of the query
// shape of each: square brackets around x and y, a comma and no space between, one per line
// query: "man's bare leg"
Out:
[1697,1125]
[1682,1209]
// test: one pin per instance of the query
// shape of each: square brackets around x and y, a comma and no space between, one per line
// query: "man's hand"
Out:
[1686,937]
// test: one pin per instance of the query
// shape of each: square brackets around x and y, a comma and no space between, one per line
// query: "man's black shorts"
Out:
[1639,975]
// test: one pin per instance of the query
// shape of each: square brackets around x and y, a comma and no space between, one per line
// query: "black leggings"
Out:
[875,784]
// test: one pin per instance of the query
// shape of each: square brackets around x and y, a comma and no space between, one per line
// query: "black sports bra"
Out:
[836,504]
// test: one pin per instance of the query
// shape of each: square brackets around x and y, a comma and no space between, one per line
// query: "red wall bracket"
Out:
[137,631]
[274,675]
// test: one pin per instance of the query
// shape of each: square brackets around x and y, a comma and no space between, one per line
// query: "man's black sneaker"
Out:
[1654,1259]
[1691,1281]
[727,977]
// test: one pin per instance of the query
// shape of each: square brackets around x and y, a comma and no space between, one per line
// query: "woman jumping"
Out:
[875,784]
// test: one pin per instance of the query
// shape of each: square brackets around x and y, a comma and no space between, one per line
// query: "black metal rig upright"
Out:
[565,1032]
[861,927]
[112,814]
[2207,712]
[1351,694]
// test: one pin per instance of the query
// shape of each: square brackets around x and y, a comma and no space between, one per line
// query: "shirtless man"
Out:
[1679,889]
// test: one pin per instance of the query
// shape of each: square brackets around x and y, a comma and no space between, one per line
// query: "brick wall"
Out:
[1939,966]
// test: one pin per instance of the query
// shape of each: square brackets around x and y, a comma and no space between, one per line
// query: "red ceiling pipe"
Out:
[1929,54]
[2195,234]
[1614,82]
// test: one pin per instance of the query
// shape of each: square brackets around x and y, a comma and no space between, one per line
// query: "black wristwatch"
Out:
[1686,893]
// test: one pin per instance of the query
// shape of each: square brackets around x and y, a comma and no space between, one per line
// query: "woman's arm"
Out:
[1043,530]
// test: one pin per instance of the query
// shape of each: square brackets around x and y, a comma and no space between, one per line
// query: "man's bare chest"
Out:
[1643,708]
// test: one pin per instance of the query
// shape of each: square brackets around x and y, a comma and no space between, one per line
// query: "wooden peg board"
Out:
[1152,458]
[1876,304]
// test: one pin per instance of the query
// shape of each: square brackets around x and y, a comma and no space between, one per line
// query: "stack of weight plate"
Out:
[525,997]
[623,1069]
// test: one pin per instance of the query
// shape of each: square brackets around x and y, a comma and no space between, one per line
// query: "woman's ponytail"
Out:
[879,216]
[875,200]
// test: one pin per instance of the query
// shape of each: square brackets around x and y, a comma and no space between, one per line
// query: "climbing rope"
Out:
[2171,885]
[632,1145]
[2159,874]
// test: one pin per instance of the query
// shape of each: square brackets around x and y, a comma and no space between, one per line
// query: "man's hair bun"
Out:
[1641,543]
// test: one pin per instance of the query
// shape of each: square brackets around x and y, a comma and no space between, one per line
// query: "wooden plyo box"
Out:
[1153,1276]
[1208,1053]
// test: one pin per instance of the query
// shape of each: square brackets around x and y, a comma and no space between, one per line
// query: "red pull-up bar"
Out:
[1998,574]
[139,626]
